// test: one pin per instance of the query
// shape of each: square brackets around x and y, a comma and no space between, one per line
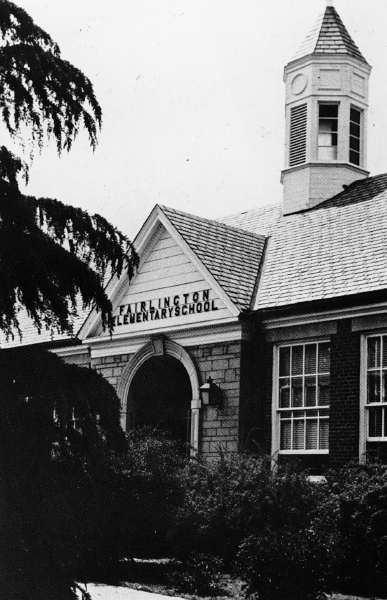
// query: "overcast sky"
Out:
[193,100]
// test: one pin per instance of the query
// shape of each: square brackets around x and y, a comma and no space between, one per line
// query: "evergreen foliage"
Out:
[38,88]
[53,257]
[55,493]
[59,424]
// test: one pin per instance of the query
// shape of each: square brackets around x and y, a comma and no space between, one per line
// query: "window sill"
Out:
[300,452]
[317,479]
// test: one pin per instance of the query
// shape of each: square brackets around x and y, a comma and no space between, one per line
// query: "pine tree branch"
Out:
[41,271]
[38,88]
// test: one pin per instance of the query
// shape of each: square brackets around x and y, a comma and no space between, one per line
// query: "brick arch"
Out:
[158,347]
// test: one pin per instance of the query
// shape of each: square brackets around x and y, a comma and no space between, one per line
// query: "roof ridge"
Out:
[370,184]
[272,205]
[213,222]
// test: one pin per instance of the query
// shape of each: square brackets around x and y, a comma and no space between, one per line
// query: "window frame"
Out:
[364,436]
[276,410]
[360,138]
[337,132]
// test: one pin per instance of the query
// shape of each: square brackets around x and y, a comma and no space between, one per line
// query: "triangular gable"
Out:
[231,255]
[171,289]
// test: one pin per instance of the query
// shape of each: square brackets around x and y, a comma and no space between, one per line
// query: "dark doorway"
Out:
[160,397]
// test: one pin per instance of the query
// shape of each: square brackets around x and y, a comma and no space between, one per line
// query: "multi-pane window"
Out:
[303,397]
[327,131]
[74,421]
[376,402]
[354,136]
[298,129]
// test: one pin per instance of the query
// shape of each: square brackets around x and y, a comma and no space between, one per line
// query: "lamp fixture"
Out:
[211,394]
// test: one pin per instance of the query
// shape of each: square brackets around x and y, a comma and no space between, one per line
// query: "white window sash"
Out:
[277,411]
[365,407]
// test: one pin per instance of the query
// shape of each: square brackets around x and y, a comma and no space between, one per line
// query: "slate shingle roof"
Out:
[30,335]
[232,256]
[260,220]
[336,249]
[329,36]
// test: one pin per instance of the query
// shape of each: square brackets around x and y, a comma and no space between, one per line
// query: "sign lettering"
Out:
[165,308]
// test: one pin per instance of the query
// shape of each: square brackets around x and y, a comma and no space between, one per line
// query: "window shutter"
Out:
[298,119]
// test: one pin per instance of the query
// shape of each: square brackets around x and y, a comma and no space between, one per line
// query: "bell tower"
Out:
[326,115]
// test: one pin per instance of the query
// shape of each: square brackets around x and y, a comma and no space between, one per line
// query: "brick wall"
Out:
[345,400]
[82,360]
[249,421]
[345,395]
[111,367]
[243,370]
[260,434]
[219,427]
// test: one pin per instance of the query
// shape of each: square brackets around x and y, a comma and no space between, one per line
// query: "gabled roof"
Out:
[336,249]
[260,220]
[329,36]
[31,335]
[231,255]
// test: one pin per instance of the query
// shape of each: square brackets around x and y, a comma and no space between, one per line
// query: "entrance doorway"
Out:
[160,397]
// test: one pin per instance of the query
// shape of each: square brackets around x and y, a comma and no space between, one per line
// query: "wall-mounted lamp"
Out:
[211,393]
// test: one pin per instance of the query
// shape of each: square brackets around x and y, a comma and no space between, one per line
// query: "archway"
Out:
[160,397]
[160,347]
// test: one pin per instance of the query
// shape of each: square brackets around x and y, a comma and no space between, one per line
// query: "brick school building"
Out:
[266,329]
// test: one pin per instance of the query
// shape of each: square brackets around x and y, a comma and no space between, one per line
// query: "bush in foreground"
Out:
[198,574]
[147,483]
[224,502]
[287,537]
[359,493]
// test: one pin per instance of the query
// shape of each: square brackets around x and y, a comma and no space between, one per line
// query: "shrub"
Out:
[360,493]
[290,564]
[146,479]
[198,574]
[335,538]
[289,555]
[225,501]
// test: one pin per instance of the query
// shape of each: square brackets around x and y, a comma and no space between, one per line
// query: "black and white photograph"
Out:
[193,300]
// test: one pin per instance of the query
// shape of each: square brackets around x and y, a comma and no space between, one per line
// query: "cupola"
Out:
[326,115]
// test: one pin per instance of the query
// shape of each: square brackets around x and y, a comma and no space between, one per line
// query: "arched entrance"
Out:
[167,379]
[160,397]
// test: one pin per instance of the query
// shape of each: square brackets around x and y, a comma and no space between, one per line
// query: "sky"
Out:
[192,96]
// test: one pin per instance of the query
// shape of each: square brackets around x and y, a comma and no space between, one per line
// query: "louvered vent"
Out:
[297,155]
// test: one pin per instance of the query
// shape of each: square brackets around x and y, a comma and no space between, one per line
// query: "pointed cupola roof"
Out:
[329,36]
